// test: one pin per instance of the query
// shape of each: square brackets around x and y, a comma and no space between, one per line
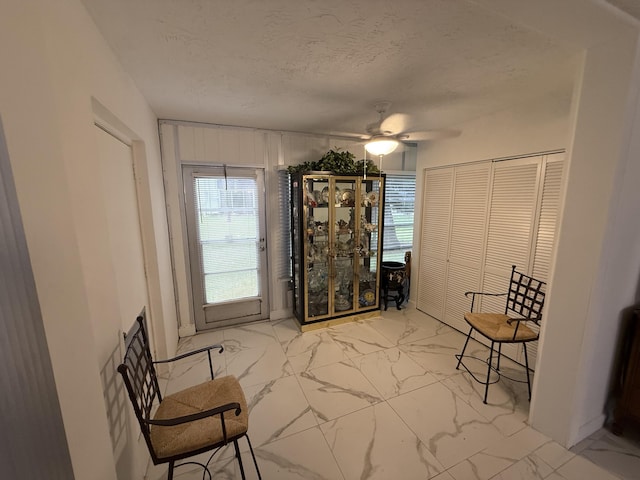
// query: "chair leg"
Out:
[235,444]
[385,295]
[170,474]
[486,386]
[254,457]
[526,366]
[464,348]
[499,354]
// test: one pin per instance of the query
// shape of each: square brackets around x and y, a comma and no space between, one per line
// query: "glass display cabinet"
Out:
[336,230]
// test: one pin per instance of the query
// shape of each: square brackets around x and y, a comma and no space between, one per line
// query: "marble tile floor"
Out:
[380,399]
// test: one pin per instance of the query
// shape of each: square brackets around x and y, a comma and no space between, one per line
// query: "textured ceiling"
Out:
[632,7]
[320,66]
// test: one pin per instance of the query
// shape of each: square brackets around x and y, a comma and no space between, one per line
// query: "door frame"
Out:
[194,265]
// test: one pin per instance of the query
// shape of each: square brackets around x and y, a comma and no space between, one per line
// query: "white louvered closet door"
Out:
[548,210]
[478,221]
[466,247]
[510,233]
[548,216]
[436,214]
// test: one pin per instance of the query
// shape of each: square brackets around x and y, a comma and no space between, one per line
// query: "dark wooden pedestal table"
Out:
[394,279]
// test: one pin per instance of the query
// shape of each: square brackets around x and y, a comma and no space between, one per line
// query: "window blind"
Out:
[400,193]
[283,264]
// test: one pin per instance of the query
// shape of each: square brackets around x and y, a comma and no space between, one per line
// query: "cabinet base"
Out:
[332,322]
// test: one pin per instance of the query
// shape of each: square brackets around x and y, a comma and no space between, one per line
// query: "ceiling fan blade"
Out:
[352,135]
[431,135]
[394,123]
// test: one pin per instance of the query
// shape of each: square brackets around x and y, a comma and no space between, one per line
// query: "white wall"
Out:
[54,63]
[618,284]
[537,126]
[587,295]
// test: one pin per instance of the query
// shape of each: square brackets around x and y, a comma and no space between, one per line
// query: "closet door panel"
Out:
[434,243]
[546,231]
[469,214]
[466,247]
[460,279]
[512,215]
[431,292]
[548,217]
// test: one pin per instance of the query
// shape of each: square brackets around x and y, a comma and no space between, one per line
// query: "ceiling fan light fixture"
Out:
[381,146]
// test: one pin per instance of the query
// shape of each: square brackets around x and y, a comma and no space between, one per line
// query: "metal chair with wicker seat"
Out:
[525,300]
[195,420]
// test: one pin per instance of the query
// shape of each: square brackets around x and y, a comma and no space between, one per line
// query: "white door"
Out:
[227,244]
[119,196]
[434,243]
[466,245]
[453,231]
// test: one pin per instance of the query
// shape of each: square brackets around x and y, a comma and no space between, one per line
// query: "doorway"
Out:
[225,217]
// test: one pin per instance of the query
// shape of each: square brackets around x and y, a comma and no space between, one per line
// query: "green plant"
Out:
[336,161]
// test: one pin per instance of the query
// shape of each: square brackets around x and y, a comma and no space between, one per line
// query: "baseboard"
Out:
[187,330]
[280,314]
[587,429]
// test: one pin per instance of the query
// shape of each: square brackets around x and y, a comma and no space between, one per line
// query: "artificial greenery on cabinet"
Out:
[337,162]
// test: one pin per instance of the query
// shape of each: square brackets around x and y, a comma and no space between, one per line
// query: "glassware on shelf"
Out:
[342,303]
[318,280]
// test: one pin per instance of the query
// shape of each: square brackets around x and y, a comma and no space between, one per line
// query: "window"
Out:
[398,216]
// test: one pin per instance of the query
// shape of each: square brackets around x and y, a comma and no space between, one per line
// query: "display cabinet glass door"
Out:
[344,244]
[369,244]
[316,252]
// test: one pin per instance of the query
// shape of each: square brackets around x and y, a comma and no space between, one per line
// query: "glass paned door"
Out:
[344,245]
[317,246]
[227,248]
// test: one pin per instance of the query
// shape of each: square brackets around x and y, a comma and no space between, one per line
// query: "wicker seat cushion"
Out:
[178,439]
[495,327]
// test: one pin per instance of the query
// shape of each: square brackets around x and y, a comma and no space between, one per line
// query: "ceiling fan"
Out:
[384,136]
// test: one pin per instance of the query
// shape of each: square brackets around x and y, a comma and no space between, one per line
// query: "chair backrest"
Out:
[526,296]
[139,374]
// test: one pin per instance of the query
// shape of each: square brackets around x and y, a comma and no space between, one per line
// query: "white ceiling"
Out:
[631,7]
[320,66]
